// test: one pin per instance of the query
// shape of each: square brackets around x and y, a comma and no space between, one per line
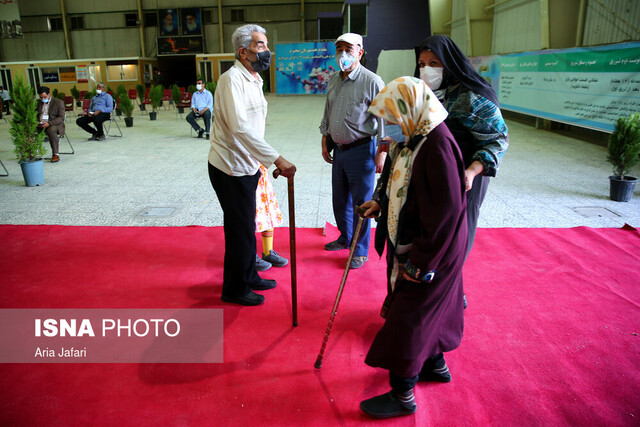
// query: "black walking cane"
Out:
[292,245]
[354,242]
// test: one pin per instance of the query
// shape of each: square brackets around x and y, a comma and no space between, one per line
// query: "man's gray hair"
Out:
[242,36]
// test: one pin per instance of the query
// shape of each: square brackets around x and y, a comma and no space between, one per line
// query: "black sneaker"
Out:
[200,133]
[275,259]
[94,137]
[435,369]
[335,246]
[250,299]
[387,405]
[263,285]
[206,136]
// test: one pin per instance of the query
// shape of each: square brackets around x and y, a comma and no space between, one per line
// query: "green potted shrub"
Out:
[126,106]
[76,95]
[119,91]
[155,95]
[191,88]
[624,153]
[176,95]
[211,87]
[140,91]
[29,144]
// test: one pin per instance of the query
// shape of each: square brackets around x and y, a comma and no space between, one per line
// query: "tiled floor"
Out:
[543,178]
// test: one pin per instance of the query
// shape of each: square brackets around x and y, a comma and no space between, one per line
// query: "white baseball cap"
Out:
[351,38]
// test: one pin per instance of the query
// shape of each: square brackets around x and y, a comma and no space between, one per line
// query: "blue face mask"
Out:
[46,101]
[345,61]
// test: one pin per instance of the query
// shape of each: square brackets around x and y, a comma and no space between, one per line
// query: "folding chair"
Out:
[167,96]
[68,105]
[113,121]
[204,127]
[5,169]
[63,137]
[147,101]
[86,103]
[185,102]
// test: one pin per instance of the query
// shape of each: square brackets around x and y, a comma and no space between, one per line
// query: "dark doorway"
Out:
[178,69]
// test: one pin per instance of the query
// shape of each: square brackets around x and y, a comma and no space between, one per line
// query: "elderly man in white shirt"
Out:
[237,149]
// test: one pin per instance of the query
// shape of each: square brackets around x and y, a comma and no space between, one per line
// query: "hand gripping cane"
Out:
[292,245]
[354,242]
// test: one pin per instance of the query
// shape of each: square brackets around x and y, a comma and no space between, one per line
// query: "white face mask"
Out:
[432,76]
[98,91]
[345,61]
[199,87]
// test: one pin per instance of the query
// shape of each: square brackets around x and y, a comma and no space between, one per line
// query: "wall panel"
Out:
[459,35]
[517,27]
[105,43]
[31,47]
[602,26]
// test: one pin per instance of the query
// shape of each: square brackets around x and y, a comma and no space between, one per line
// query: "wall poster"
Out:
[588,87]
[304,68]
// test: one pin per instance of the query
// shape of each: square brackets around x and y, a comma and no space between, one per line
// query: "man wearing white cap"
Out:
[348,129]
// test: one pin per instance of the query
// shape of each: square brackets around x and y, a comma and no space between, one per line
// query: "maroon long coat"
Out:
[425,319]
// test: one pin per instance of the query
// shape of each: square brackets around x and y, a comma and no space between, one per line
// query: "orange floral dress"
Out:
[268,213]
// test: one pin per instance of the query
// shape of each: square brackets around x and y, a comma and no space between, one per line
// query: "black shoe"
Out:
[250,299]
[335,246]
[387,405]
[263,285]
[435,369]
[200,133]
[94,137]
[101,138]
[206,136]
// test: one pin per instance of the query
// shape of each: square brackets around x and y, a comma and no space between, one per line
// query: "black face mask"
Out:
[263,60]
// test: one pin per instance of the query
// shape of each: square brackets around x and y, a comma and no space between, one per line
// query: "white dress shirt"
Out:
[237,138]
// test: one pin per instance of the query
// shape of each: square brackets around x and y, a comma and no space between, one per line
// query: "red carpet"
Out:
[551,333]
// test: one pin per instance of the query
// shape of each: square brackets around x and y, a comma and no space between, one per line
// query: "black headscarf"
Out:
[457,68]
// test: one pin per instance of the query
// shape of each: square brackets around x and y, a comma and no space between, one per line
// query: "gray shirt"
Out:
[345,113]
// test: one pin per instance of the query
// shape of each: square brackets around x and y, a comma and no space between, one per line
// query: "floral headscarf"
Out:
[409,102]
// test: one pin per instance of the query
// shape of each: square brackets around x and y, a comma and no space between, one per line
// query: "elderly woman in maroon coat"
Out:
[420,206]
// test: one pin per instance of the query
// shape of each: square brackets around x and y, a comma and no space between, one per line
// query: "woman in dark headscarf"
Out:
[474,117]
[420,198]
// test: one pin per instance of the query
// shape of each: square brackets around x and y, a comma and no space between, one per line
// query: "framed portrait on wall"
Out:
[191,21]
[168,22]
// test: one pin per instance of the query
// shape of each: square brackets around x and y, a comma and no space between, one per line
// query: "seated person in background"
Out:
[50,119]
[99,112]
[201,106]
[5,98]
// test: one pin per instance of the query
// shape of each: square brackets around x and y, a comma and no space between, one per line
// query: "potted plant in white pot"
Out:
[28,142]
[624,153]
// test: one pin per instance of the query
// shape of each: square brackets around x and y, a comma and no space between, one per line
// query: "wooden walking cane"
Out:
[292,245]
[354,242]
